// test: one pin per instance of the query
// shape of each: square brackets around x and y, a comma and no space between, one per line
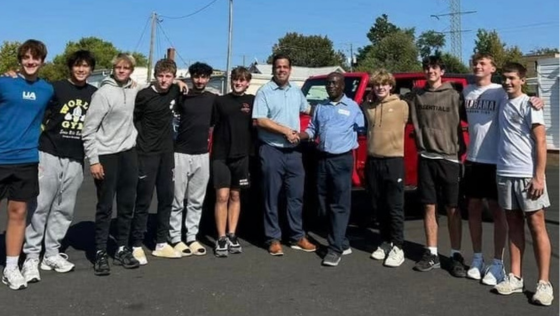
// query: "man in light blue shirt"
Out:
[276,112]
[335,124]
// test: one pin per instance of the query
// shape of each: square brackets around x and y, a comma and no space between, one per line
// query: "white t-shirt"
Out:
[516,149]
[482,105]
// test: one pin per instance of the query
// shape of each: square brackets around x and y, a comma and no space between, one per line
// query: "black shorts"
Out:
[231,173]
[19,182]
[480,181]
[438,178]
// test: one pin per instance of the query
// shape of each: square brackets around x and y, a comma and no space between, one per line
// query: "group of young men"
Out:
[140,137]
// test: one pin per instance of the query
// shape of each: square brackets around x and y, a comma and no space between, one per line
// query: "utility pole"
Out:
[152,40]
[230,33]
[456,31]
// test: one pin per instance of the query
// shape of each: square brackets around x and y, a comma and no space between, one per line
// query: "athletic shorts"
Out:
[512,195]
[19,182]
[480,181]
[231,173]
[438,178]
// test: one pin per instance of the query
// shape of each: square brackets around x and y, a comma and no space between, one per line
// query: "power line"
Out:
[190,14]
[170,43]
[142,35]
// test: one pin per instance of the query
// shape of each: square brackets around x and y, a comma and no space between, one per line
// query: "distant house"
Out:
[548,83]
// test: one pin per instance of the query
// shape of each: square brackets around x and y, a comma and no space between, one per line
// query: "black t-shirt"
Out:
[195,113]
[64,120]
[233,126]
[153,118]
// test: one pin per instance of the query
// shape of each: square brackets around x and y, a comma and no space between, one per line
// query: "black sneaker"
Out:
[457,266]
[221,248]
[101,265]
[124,258]
[233,244]
[428,262]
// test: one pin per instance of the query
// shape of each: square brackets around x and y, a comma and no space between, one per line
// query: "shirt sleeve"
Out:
[304,106]
[139,108]
[260,107]
[535,116]
[97,110]
[215,113]
[359,119]
[311,129]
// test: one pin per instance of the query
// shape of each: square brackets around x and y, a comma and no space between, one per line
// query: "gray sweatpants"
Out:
[192,173]
[51,214]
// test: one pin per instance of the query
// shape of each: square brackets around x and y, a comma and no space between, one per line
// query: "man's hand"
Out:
[10,73]
[182,86]
[535,188]
[292,137]
[537,103]
[97,171]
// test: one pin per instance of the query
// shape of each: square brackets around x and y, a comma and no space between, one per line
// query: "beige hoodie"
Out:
[386,122]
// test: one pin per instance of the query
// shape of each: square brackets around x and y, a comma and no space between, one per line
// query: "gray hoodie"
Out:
[108,126]
[435,115]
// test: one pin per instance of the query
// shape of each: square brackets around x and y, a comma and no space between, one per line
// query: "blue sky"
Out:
[259,23]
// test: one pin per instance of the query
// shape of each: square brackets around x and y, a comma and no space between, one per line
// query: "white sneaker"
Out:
[395,257]
[58,263]
[138,254]
[475,271]
[544,294]
[347,251]
[494,274]
[30,270]
[509,285]
[13,279]
[382,251]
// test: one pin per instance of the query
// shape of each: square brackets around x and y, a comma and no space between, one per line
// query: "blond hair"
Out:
[382,77]
[124,57]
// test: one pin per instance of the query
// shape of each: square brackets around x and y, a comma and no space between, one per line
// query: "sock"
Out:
[121,248]
[477,255]
[433,250]
[133,248]
[12,262]
[498,262]
[160,246]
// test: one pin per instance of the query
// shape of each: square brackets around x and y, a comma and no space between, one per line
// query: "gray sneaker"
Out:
[331,259]
[221,248]
[510,285]
[544,294]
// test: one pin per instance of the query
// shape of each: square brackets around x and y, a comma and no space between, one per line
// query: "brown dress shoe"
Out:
[304,245]
[275,249]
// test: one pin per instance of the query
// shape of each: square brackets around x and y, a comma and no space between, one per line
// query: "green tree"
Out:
[8,56]
[430,43]
[454,64]
[397,52]
[390,47]
[308,51]
[489,42]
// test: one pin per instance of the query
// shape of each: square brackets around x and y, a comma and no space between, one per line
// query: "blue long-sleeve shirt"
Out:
[22,106]
[335,124]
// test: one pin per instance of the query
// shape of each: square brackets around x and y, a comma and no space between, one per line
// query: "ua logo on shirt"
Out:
[29,96]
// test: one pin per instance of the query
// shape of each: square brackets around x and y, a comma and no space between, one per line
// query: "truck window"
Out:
[315,92]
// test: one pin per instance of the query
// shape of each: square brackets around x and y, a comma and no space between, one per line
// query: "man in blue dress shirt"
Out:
[276,113]
[335,123]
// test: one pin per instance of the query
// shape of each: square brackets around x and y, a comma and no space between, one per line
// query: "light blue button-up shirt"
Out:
[336,125]
[281,105]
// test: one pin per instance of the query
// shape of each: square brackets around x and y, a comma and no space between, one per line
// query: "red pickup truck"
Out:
[357,89]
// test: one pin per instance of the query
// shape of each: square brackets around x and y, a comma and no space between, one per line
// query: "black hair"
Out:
[200,69]
[78,57]
[281,56]
[433,61]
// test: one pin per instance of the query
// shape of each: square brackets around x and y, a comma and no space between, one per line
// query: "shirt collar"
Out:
[344,101]
[275,86]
